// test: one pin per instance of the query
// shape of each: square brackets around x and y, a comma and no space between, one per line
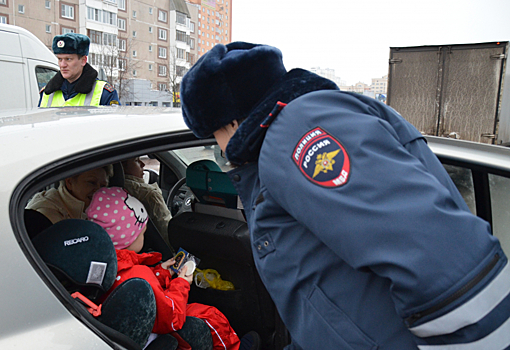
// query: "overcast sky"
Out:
[353,37]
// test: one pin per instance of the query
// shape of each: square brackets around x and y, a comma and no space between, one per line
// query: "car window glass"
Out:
[44,75]
[213,152]
[151,169]
[150,163]
[463,179]
[500,203]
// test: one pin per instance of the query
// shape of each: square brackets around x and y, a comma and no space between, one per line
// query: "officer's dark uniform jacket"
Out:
[87,90]
[358,232]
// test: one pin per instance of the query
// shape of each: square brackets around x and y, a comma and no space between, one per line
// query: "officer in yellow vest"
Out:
[76,84]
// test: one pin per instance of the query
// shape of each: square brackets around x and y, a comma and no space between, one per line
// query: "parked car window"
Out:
[500,204]
[213,152]
[150,163]
[463,179]
[44,75]
[151,169]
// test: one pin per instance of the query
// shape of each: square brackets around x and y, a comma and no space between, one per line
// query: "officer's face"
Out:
[71,66]
[224,134]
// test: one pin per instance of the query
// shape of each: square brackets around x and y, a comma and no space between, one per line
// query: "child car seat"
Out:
[82,256]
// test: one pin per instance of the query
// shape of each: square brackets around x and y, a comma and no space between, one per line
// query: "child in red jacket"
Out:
[124,218]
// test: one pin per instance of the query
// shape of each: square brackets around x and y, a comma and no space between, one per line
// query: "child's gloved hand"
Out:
[166,265]
[183,274]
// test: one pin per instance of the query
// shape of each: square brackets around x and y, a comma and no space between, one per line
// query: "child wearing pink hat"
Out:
[125,219]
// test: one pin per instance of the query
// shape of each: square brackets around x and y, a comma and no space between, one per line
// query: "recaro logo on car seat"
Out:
[76,240]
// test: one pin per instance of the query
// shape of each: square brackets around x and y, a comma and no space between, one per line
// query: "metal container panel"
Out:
[412,87]
[451,90]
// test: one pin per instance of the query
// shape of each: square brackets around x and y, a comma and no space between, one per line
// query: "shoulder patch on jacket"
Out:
[322,159]
[108,87]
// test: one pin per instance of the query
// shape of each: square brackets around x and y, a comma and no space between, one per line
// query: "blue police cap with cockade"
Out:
[70,43]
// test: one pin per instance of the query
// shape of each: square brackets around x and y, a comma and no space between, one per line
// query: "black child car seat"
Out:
[82,256]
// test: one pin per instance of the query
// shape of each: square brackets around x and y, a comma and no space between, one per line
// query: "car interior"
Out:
[207,221]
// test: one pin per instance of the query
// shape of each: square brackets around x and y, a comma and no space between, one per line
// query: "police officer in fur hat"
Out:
[357,231]
[76,84]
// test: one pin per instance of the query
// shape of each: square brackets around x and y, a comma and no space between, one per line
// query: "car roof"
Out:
[37,137]
[31,139]
[475,153]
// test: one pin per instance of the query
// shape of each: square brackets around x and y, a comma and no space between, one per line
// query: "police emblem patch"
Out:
[322,159]
[60,43]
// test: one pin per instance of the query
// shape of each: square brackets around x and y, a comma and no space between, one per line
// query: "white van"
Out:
[26,66]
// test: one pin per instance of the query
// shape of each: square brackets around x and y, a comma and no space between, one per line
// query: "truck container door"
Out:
[412,84]
[452,91]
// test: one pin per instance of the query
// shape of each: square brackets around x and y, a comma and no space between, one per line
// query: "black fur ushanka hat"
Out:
[226,83]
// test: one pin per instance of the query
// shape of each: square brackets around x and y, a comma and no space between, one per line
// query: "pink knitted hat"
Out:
[121,215]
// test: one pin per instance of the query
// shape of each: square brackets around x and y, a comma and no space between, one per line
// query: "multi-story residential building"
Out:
[98,20]
[214,23]
[143,47]
[380,85]
[328,73]
[359,87]
[154,51]
[194,12]
[43,18]
[377,89]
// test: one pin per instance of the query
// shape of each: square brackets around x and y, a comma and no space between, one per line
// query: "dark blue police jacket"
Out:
[358,232]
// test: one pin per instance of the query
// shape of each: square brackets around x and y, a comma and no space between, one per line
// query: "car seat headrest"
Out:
[210,184]
[81,251]
[118,178]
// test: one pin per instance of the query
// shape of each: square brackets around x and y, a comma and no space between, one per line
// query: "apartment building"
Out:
[154,45]
[328,73]
[43,18]
[377,90]
[380,85]
[98,20]
[214,23]
[359,88]
[194,11]
[142,47]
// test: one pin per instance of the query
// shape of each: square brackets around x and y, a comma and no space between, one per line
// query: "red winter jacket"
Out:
[171,299]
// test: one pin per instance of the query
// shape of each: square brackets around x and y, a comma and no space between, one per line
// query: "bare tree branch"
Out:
[126,65]
[177,69]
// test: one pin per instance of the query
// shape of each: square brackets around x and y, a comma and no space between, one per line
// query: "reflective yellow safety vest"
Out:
[56,99]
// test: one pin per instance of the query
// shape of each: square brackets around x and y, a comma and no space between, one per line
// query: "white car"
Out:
[41,147]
